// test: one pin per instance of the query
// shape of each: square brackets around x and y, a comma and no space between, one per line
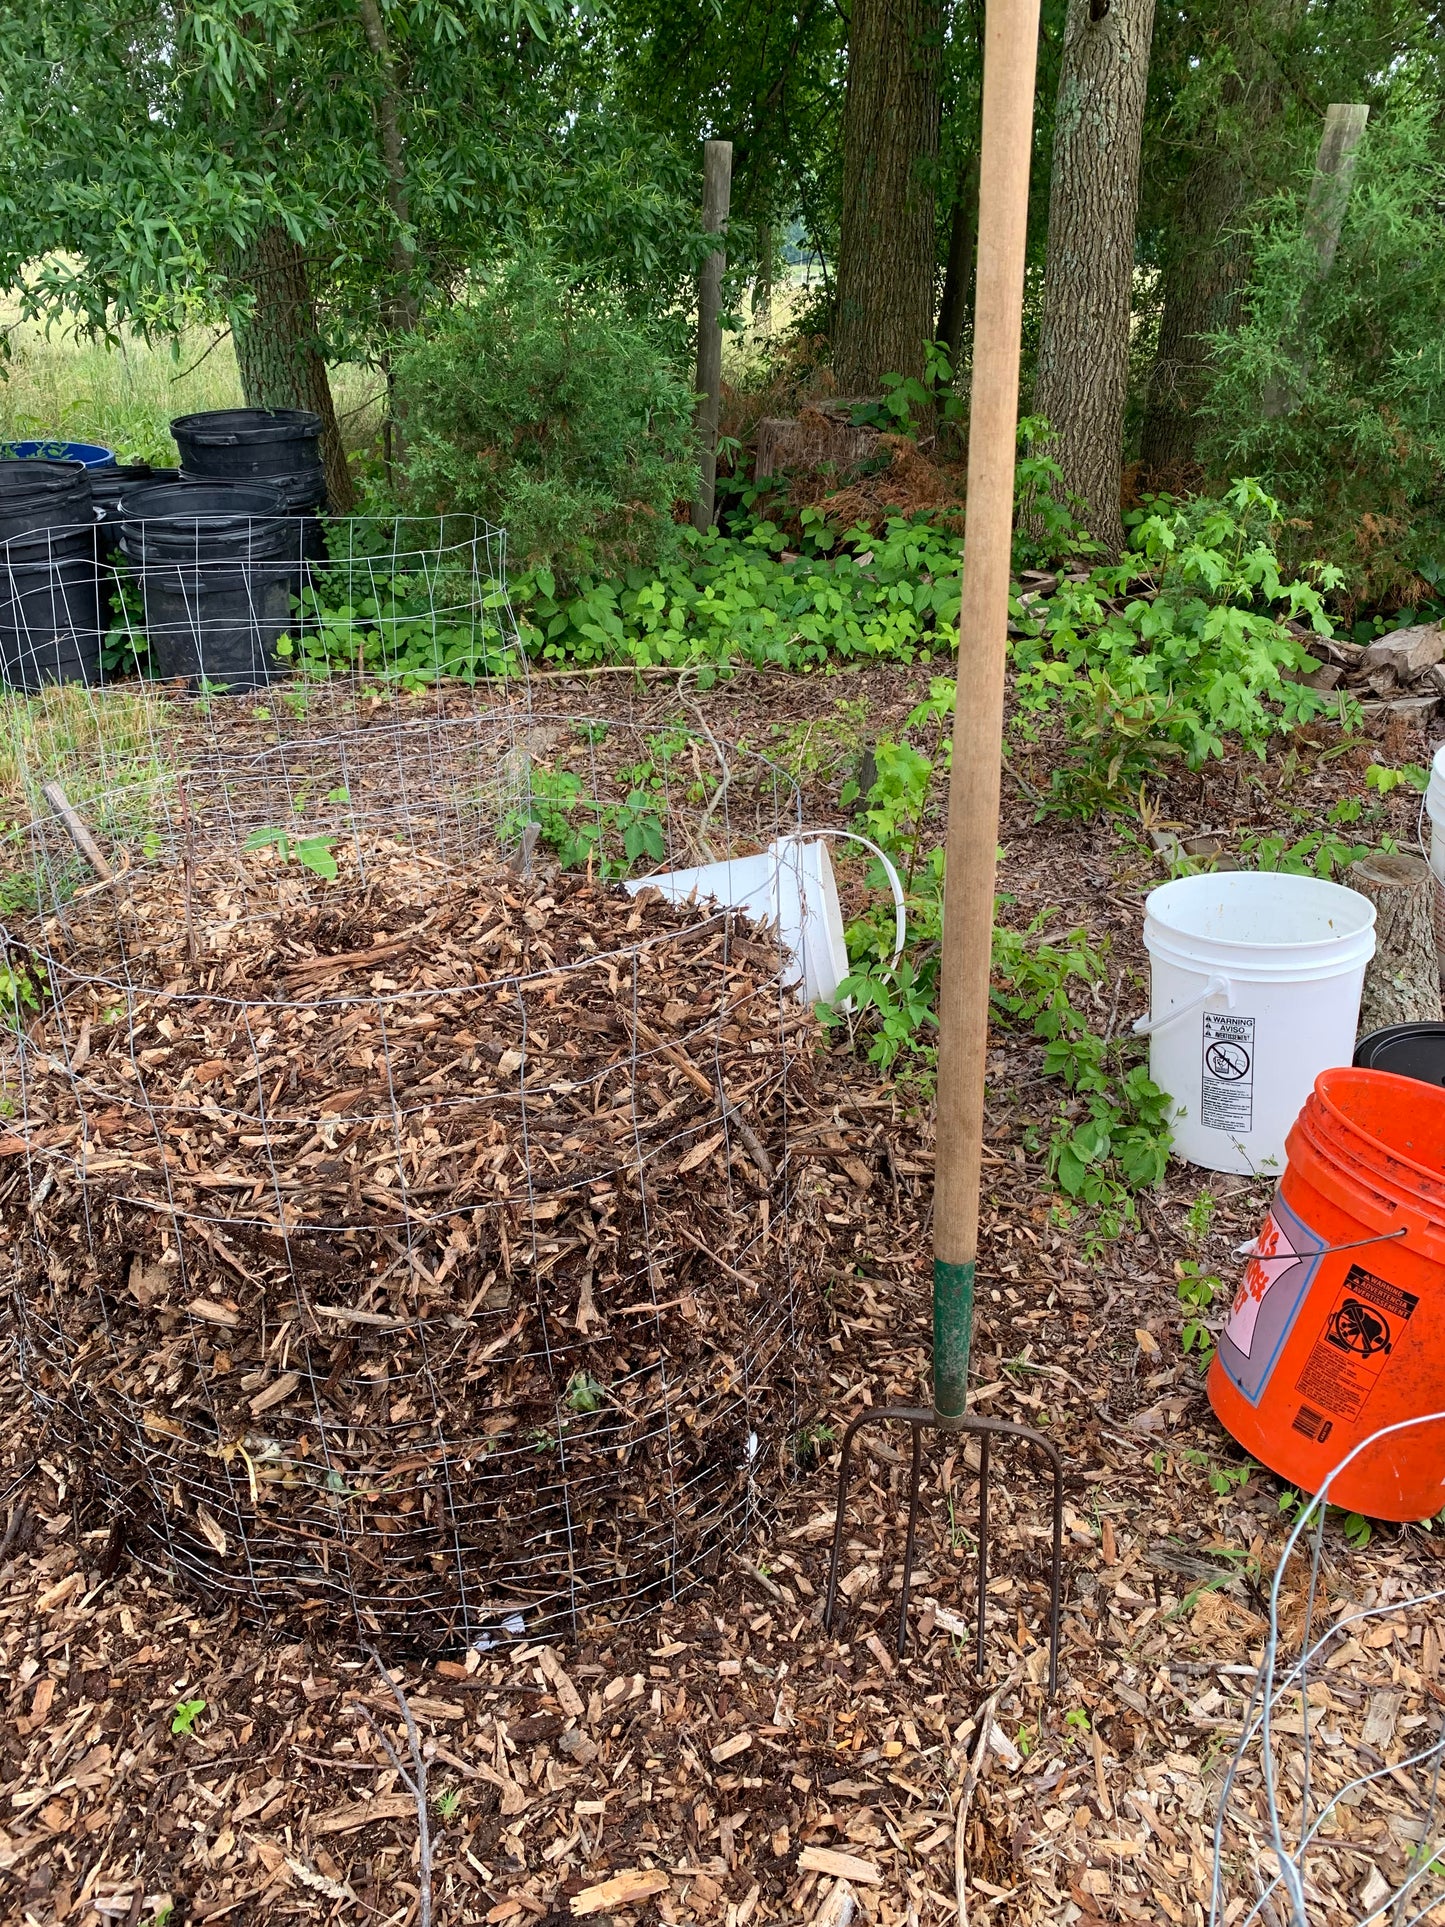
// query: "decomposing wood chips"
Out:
[416,1253]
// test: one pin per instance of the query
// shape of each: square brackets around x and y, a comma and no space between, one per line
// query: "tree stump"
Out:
[1402,981]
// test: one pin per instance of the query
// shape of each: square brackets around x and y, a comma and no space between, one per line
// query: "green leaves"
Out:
[183,1720]
[718,602]
[311,852]
[1179,646]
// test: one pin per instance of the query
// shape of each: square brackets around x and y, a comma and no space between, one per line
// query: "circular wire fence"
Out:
[1332,1811]
[408,1233]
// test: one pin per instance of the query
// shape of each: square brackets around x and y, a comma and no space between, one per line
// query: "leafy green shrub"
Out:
[1173,648]
[1331,389]
[548,415]
[1109,1136]
[719,600]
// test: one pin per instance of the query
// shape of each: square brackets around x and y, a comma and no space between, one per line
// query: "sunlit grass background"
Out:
[125,396]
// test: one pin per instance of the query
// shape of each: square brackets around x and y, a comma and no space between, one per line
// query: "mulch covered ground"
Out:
[728,1759]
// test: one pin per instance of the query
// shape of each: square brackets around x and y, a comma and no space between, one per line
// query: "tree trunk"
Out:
[1402,979]
[278,352]
[1083,363]
[717,182]
[763,282]
[884,302]
[1324,218]
[401,304]
[957,299]
[1202,282]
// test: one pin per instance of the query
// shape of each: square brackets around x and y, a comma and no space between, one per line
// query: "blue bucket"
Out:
[91,454]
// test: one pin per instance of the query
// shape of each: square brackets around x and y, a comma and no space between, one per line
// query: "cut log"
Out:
[1402,981]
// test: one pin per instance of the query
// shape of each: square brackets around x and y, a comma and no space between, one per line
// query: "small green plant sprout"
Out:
[183,1720]
[1076,1724]
[162,1915]
[19,992]
[448,1801]
[1297,1506]
[1224,1479]
[584,1394]
[1200,1216]
[810,1444]
[1196,1291]
[311,852]
[1024,1741]
[1382,779]
[341,794]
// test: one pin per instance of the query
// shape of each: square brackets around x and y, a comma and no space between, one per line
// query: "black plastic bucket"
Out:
[277,447]
[1409,1050]
[107,485]
[49,585]
[218,567]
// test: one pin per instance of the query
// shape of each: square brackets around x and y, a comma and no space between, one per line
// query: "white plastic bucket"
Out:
[791,886]
[1435,810]
[1255,982]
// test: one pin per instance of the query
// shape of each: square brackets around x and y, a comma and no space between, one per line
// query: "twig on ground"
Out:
[414,1782]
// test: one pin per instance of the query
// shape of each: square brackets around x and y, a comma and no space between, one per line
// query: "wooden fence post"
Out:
[717,182]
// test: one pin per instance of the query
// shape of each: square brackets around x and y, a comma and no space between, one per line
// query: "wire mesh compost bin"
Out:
[406,1232]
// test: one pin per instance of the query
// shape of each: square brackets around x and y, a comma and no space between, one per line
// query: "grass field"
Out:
[126,396]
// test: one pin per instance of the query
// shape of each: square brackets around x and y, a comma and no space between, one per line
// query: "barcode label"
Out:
[1313,1424]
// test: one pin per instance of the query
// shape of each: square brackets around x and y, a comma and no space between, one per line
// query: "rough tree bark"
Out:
[1402,979]
[957,298]
[1203,279]
[278,350]
[1083,362]
[884,301]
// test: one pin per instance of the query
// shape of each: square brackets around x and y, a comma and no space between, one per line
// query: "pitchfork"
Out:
[1010,44]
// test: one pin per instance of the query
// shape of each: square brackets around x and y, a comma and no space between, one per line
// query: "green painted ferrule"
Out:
[952,1335]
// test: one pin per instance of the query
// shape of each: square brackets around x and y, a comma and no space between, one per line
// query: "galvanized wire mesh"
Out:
[401,1240]
[236,602]
[1332,1812]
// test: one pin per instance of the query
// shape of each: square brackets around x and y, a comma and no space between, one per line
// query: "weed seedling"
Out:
[183,1720]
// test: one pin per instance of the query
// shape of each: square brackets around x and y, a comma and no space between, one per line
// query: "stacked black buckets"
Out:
[218,549]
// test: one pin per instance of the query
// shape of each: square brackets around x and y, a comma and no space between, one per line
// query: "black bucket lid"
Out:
[242,427]
[1407,1050]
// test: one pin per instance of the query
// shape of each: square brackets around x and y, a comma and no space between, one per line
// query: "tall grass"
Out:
[126,396]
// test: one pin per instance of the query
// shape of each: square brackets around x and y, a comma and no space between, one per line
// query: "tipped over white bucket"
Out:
[1255,981]
[791,886]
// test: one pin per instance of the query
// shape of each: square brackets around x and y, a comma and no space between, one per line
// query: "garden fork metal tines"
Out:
[920,1418]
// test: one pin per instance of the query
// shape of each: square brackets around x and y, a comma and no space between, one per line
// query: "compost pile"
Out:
[415,1249]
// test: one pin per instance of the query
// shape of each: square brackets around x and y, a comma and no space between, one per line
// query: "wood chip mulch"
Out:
[728,1759]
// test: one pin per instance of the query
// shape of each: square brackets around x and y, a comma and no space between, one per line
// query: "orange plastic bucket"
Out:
[1338,1327]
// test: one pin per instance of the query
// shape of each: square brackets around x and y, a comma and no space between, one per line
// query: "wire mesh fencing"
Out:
[201,587]
[408,1234]
[1332,1811]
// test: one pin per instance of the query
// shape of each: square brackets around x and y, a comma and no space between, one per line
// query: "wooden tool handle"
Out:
[1010,48]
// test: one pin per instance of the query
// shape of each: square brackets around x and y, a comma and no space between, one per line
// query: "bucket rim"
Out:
[1260,884]
[261,424]
[1413,1092]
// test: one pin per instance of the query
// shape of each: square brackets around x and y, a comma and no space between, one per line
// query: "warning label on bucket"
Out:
[1361,1329]
[1227,1079]
[1284,1259]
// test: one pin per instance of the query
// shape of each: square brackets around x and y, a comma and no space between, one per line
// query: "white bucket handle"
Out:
[1151,1026]
[900,909]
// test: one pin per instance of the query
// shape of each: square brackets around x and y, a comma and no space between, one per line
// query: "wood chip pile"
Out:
[414,1254]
